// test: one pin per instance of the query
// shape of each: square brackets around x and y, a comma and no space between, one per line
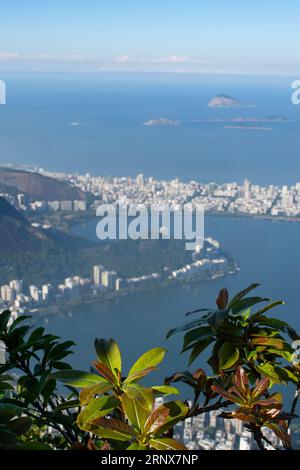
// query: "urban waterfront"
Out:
[266,252]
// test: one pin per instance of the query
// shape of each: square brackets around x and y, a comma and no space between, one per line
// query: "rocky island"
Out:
[224,101]
[161,122]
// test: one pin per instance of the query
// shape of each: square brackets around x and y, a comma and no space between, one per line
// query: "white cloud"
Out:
[9,56]
[169,63]
[122,59]
[43,57]
[172,59]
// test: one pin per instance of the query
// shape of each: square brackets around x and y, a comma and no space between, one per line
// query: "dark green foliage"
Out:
[249,353]
[33,356]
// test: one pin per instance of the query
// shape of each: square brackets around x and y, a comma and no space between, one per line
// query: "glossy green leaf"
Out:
[265,309]
[268,370]
[8,410]
[137,403]
[198,348]
[177,412]
[242,294]
[280,433]
[243,304]
[97,408]
[109,353]
[76,378]
[67,405]
[164,390]
[139,375]
[151,358]
[165,443]
[186,326]
[216,318]
[136,446]
[89,392]
[112,429]
[197,334]
[228,356]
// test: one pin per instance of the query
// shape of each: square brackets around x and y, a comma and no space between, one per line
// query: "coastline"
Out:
[234,269]
[80,219]
[69,221]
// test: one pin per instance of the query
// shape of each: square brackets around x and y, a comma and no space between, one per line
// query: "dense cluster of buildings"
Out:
[209,263]
[22,202]
[233,198]
[210,432]
[248,198]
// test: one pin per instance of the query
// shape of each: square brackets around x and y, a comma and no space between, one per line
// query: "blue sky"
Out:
[178,35]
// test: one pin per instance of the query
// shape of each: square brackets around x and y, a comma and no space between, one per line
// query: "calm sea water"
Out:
[110,139]
[267,252]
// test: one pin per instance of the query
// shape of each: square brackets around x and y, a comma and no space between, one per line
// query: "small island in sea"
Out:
[224,101]
[163,122]
[248,128]
[251,120]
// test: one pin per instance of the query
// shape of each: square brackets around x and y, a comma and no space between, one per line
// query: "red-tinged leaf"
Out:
[265,341]
[166,444]
[269,405]
[78,446]
[87,393]
[235,392]
[261,388]
[106,446]
[241,381]
[199,373]
[105,372]
[177,412]
[109,354]
[156,420]
[139,374]
[245,415]
[226,395]
[91,445]
[112,429]
[281,433]
[222,300]
[277,397]
[226,415]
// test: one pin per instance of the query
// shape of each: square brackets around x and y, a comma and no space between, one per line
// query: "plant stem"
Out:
[258,436]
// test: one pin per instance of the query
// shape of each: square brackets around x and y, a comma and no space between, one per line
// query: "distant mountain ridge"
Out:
[16,234]
[7,210]
[37,186]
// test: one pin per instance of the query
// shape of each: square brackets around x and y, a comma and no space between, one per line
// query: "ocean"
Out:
[94,124]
